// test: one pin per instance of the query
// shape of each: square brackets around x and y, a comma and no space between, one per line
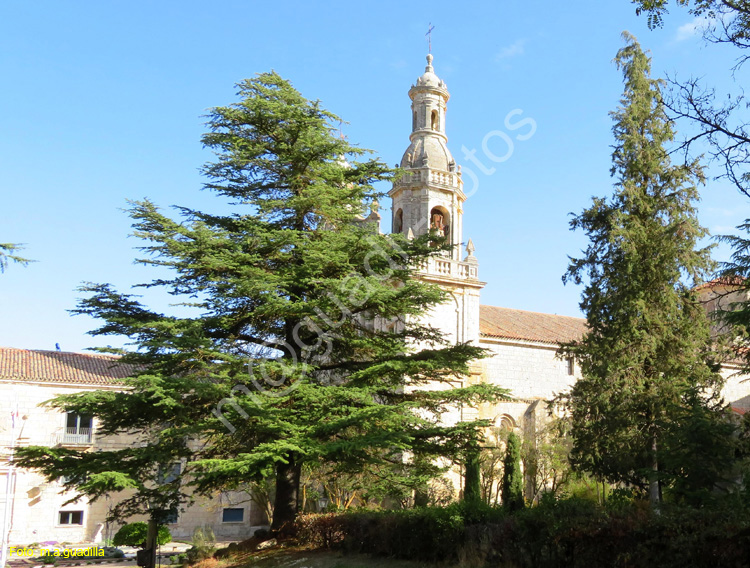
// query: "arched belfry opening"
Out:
[398,221]
[435,120]
[440,222]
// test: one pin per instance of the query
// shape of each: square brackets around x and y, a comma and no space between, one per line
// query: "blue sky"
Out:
[105,101]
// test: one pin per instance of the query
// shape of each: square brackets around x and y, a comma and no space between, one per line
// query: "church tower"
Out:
[429,196]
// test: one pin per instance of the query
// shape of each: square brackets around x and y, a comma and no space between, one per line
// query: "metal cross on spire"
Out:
[429,37]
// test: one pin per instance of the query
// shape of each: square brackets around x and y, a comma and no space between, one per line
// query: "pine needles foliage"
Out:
[300,335]
[512,491]
[648,362]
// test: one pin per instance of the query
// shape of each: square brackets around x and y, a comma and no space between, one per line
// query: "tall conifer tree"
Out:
[644,359]
[302,343]
[512,490]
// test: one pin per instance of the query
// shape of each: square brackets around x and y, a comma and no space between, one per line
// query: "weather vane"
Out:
[429,37]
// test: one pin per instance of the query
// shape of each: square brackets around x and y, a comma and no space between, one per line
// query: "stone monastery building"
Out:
[429,196]
[523,344]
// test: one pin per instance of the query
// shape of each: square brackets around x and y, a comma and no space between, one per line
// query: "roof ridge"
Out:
[531,312]
[56,352]
[37,365]
[495,321]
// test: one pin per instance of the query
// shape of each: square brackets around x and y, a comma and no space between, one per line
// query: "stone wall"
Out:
[35,504]
[531,371]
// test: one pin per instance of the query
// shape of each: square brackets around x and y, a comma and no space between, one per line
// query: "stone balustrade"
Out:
[448,267]
[424,176]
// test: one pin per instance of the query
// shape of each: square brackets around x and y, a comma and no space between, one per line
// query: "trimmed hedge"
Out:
[565,533]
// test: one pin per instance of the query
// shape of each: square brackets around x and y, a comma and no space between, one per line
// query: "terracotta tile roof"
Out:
[61,367]
[731,282]
[530,326]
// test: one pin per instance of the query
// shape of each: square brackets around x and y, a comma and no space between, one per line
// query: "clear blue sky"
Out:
[102,102]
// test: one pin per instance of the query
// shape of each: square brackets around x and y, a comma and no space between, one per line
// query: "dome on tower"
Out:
[429,79]
[428,147]
[430,193]
[429,152]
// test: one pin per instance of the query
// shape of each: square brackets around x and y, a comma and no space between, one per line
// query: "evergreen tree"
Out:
[472,475]
[301,338]
[7,253]
[734,321]
[512,475]
[644,359]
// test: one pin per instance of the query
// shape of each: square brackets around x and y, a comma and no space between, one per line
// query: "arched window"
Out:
[398,221]
[505,422]
[435,122]
[497,433]
[414,121]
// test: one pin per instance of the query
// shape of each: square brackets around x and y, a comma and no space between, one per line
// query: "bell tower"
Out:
[429,196]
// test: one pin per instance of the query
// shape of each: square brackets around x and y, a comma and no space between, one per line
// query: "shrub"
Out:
[428,533]
[204,545]
[621,498]
[134,534]
[569,532]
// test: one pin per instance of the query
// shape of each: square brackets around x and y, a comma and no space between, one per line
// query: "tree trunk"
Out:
[654,492]
[287,493]
[151,542]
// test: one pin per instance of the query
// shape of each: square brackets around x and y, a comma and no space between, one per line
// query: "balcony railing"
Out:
[451,268]
[76,437]
[427,175]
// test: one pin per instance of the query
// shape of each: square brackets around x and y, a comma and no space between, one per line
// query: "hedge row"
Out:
[568,533]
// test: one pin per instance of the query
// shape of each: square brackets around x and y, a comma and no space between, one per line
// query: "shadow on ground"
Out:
[305,559]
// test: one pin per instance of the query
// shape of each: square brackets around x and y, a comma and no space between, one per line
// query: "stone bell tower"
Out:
[429,196]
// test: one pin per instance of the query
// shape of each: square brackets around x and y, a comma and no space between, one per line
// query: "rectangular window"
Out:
[66,479]
[71,518]
[172,517]
[169,473]
[233,515]
[78,429]
[571,366]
